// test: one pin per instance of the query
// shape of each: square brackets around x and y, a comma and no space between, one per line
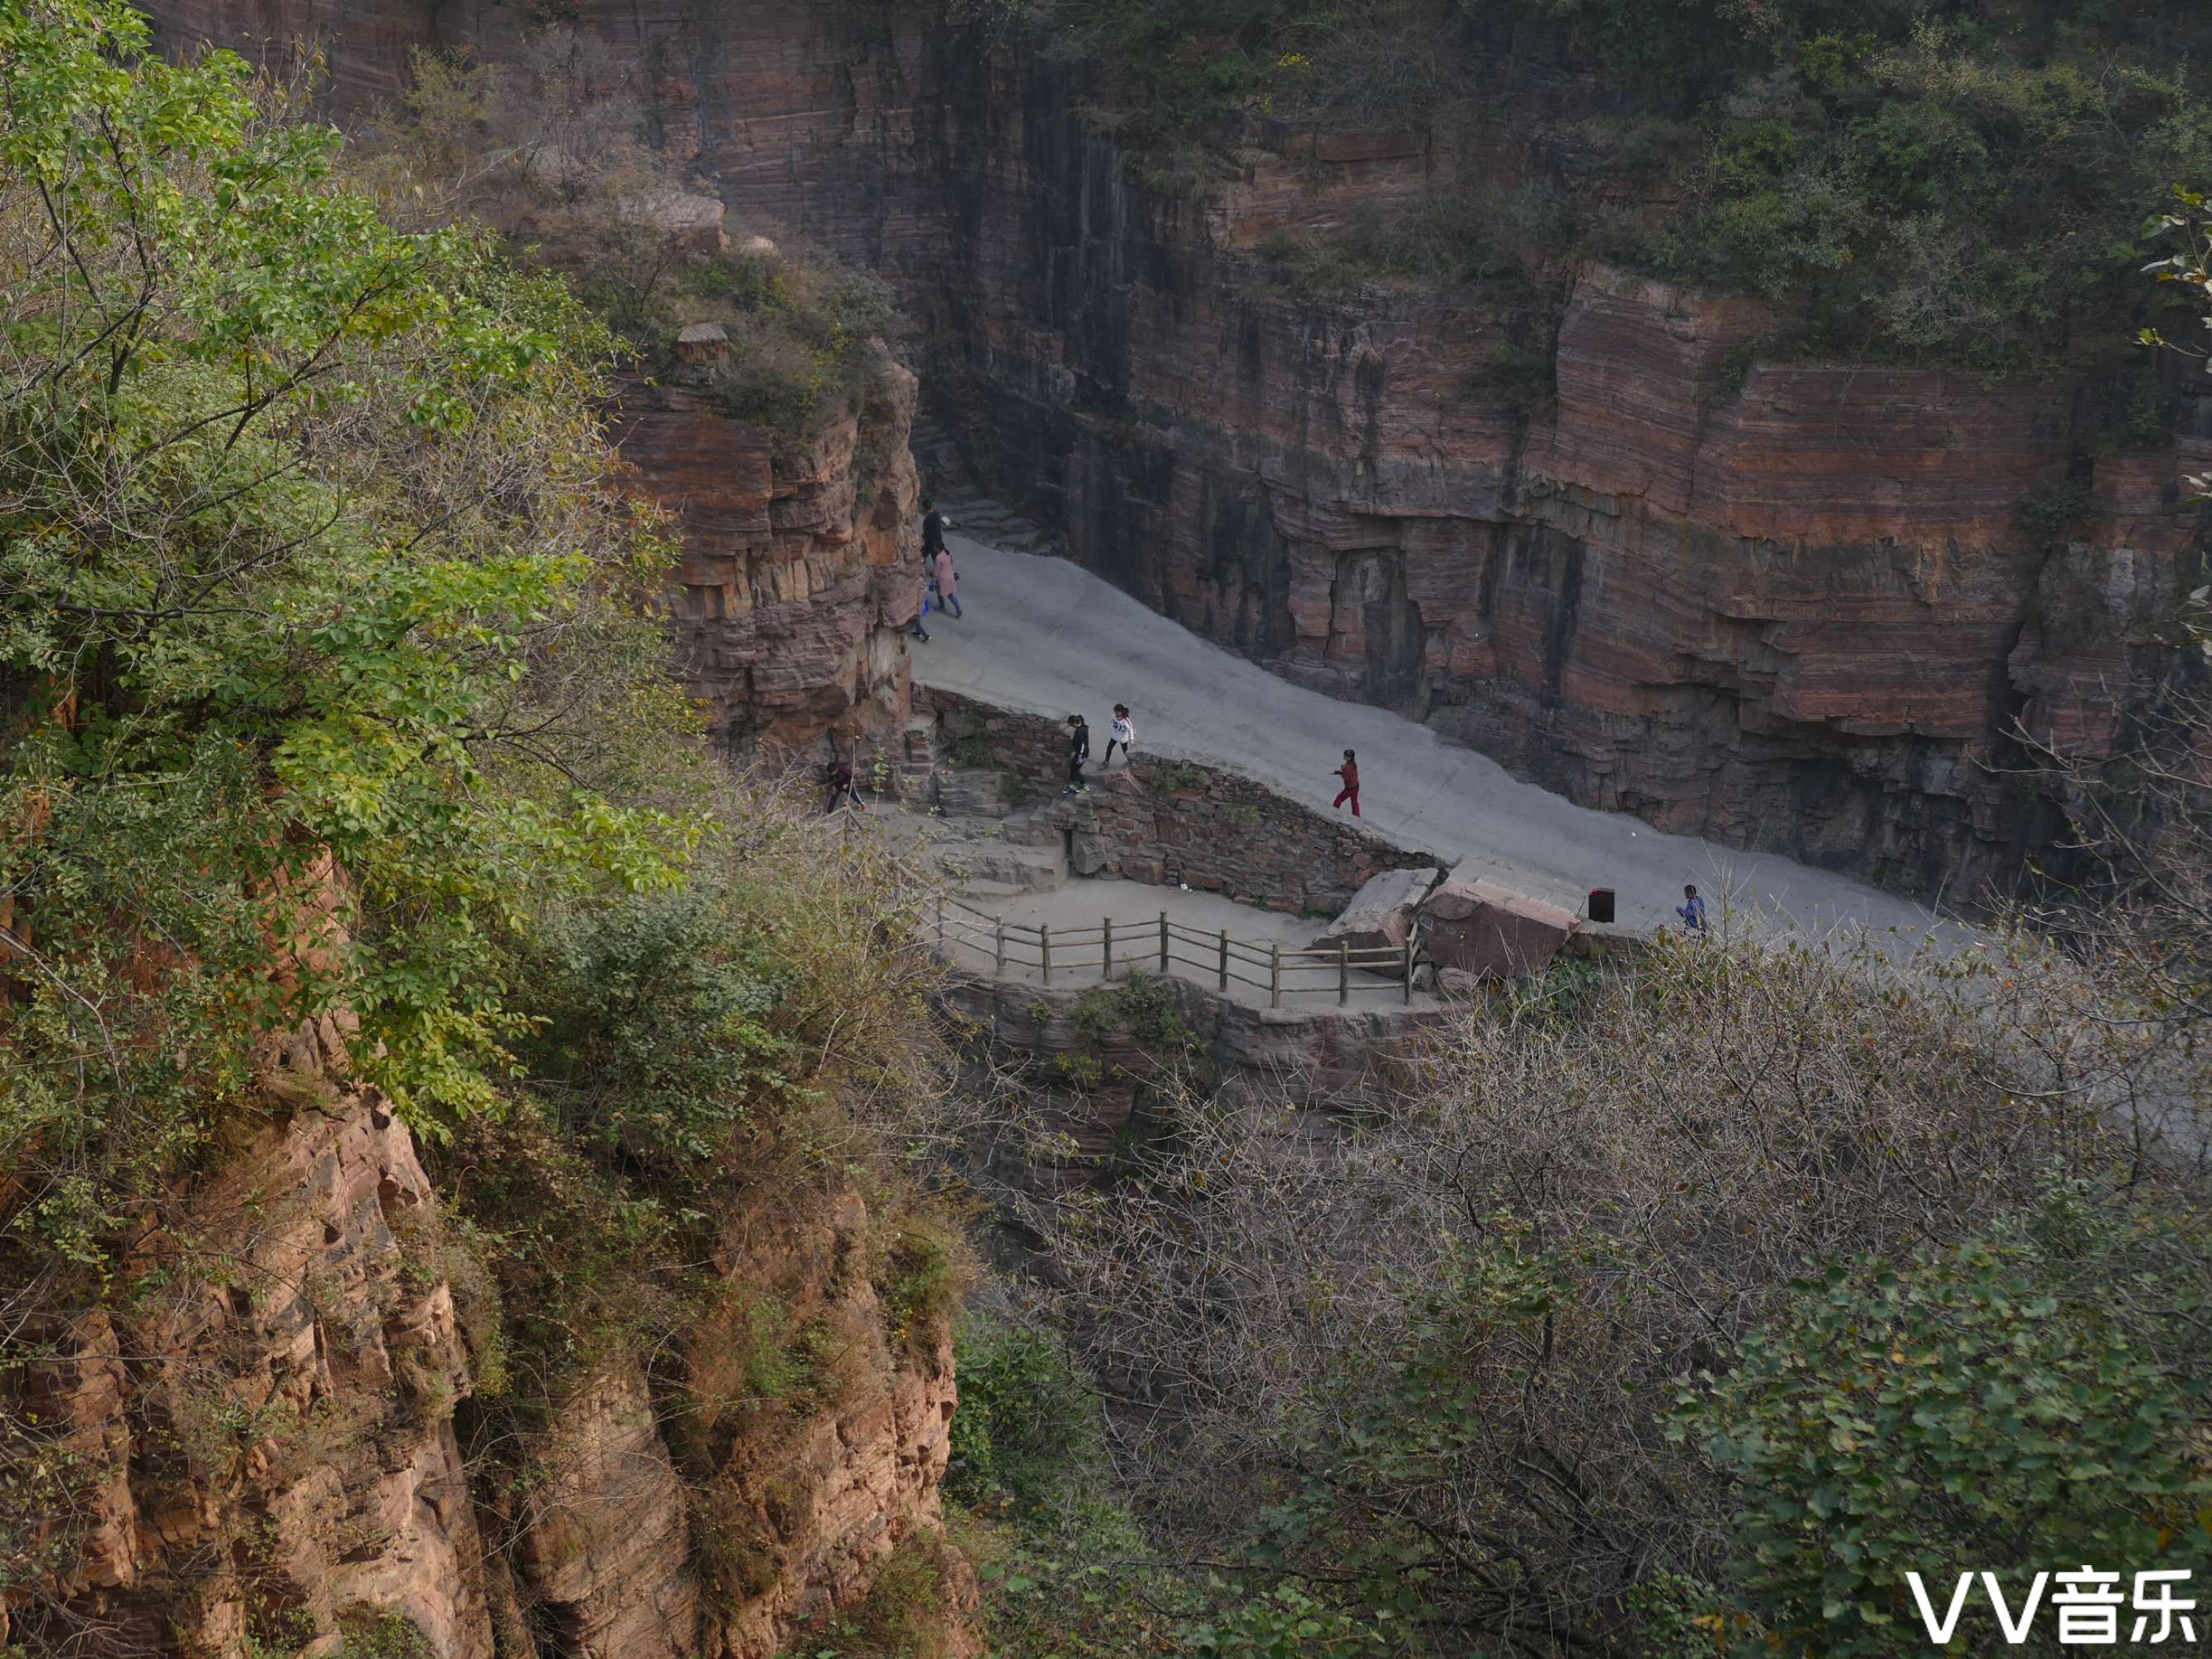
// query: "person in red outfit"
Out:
[1350,773]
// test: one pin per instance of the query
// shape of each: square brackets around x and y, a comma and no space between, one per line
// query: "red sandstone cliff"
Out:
[259,1444]
[798,571]
[254,1449]
[1790,605]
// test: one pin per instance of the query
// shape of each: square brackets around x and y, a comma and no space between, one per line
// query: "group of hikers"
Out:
[941,582]
[941,587]
[1122,734]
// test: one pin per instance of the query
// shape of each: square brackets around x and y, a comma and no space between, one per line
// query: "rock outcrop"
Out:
[1486,932]
[798,566]
[252,1448]
[1380,914]
[715,1522]
[259,1444]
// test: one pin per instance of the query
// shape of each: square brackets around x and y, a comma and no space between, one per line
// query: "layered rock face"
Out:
[1788,606]
[265,1454]
[718,1528]
[256,1451]
[799,570]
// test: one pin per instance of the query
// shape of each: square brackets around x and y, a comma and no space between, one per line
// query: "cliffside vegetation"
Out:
[1941,183]
[554,153]
[1670,1312]
[331,692]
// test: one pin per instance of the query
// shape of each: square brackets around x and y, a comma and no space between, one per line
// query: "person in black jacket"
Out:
[1078,751]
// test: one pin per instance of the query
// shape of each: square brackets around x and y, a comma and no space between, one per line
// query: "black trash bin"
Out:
[1600,904]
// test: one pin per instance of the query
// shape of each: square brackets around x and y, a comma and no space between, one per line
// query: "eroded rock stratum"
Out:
[1783,604]
[256,1443]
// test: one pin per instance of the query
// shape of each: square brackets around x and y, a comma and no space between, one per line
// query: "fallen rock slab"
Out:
[1380,914]
[1490,932]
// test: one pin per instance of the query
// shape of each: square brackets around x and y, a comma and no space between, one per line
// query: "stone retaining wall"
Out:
[1096,1080]
[1172,821]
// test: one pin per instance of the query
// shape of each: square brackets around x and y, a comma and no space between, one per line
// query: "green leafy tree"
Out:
[322,658]
[1990,1407]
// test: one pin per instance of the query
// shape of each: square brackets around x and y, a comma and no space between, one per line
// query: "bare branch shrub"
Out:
[1580,1203]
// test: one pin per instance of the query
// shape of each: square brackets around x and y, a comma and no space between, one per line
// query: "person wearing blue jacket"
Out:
[1691,910]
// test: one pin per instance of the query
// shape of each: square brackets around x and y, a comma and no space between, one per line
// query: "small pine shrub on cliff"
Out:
[1025,1418]
[906,1615]
[381,1635]
[655,1034]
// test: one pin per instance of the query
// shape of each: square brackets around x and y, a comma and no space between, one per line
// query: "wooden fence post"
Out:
[1044,952]
[1163,943]
[1343,972]
[1409,970]
[998,948]
[1107,939]
[1224,958]
[941,924]
[1275,975]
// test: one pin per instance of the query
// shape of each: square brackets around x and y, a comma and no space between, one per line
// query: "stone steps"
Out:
[994,522]
[981,888]
[936,457]
[970,792]
[1035,826]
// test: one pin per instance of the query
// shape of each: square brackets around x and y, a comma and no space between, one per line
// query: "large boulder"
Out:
[1490,932]
[1381,913]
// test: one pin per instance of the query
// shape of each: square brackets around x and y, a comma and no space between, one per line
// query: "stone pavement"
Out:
[1044,636]
[1029,886]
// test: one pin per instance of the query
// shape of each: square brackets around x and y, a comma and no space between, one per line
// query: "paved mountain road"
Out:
[1044,636]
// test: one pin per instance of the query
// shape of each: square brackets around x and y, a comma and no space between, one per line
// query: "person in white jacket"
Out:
[1123,733]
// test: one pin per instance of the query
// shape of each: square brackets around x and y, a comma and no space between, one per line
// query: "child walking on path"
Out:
[1123,733]
[947,583]
[1691,910]
[1078,751]
[1350,773]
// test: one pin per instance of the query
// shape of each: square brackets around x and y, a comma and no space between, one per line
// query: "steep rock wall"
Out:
[251,1448]
[1792,607]
[718,1524]
[259,1437]
[799,570]
[1788,606]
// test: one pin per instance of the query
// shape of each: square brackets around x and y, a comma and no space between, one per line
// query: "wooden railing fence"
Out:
[1166,946]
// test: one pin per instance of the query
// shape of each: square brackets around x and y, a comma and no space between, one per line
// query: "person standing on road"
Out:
[1122,732]
[1078,751]
[947,581]
[1691,910]
[933,531]
[1350,773]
